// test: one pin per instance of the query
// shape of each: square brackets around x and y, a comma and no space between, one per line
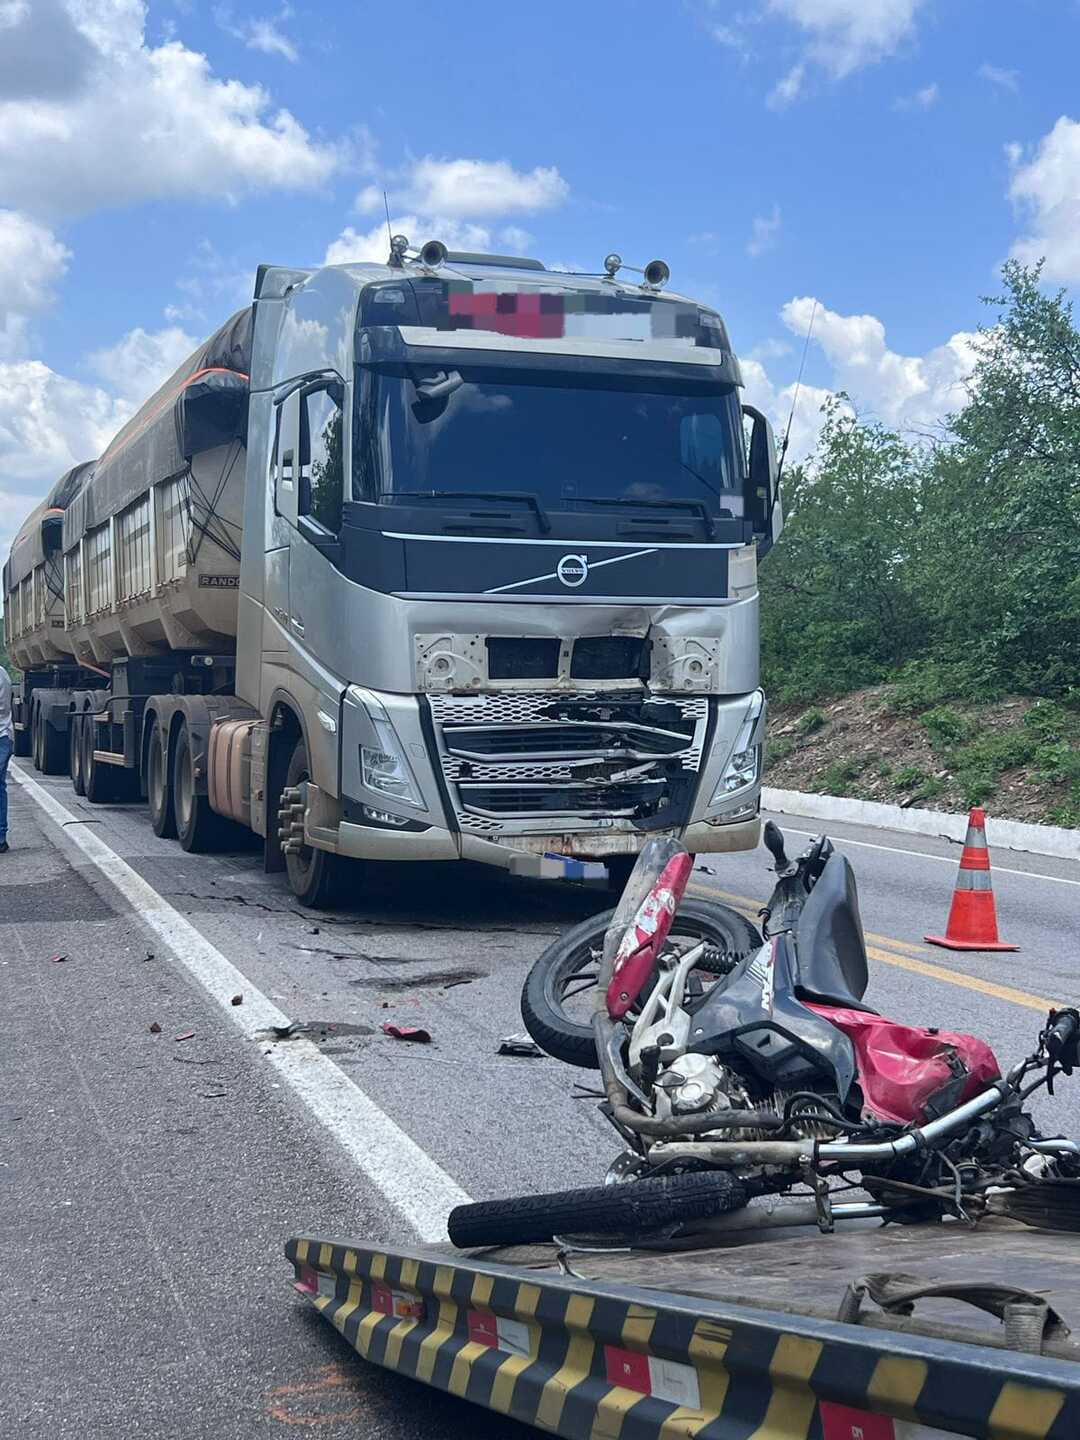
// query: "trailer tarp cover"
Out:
[202,406]
[27,550]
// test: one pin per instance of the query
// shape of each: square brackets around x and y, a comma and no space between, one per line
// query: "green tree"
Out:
[999,554]
[839,608]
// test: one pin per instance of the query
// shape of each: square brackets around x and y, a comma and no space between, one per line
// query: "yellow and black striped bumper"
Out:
[595,1361]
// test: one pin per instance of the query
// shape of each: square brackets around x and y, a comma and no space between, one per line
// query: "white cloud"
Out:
[764,233]
[374,246]
[1047,189]
[47,424]
[140,361]
[909,391]
[135,122]
[468,189]
[923,99]
[1002,79]
[777,405]
[842,36]
[32,260]
[262,33]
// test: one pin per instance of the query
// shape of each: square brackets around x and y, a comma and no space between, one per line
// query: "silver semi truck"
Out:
[452,557]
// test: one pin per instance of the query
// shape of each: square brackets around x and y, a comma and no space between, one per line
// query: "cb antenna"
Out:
[389,230]
[795,396]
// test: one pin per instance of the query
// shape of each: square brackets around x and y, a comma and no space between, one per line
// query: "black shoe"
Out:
[4,847]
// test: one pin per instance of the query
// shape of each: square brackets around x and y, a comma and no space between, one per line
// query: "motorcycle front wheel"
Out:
[556,1002]
[632,1209]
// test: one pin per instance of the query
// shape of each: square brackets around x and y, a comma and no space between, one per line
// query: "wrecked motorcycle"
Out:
[731,1076]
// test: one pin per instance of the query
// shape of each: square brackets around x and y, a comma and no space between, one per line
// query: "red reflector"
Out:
[483,1329]
[840,1422]
[307,1282]
[628,1369]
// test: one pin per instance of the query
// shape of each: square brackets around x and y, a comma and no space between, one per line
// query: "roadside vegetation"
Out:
[921,612]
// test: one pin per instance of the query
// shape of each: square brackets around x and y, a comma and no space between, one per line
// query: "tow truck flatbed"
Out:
[769,1335]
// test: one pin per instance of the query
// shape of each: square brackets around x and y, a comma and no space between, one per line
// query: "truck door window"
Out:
[322,460]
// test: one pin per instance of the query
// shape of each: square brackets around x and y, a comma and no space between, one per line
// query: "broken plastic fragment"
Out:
[407,1032]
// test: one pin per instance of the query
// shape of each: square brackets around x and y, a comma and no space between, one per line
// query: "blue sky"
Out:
[877,157]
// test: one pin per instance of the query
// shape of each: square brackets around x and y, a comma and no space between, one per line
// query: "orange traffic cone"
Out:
[972,923]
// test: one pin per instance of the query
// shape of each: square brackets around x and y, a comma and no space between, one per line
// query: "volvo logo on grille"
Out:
[573,570]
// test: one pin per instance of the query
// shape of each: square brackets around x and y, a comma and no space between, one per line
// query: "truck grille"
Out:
[516,762]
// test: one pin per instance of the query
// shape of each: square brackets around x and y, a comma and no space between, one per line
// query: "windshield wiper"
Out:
[698,506]
[524,496]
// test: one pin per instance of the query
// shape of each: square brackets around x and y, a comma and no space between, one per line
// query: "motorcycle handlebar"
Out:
[1063,1039]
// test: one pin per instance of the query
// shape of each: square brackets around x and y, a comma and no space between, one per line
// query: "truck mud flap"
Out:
[596,1361]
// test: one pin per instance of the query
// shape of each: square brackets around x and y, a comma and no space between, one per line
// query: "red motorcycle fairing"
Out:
[644,937]
[901,1068]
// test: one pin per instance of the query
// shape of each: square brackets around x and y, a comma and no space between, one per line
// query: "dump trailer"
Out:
[905,1332]
[452,557]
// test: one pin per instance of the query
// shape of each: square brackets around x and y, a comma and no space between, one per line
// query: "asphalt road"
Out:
[150,1181]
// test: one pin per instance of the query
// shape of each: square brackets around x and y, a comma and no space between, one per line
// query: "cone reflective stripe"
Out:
[972,923]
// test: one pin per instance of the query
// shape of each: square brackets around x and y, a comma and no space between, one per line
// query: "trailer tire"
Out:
[75,755]
[632,1209]
[198,828]
[98,780]
[53,750]
[159,790]
[315,876]
[569,1037]
[23,742]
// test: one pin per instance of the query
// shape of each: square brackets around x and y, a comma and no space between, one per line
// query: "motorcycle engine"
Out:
[696,1083]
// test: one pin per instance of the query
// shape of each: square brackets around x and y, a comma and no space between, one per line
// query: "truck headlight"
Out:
[744,764]
[383,766]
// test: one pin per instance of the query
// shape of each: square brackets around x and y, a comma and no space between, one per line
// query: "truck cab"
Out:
[498,590]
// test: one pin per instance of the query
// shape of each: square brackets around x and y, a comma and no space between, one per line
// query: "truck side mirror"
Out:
[763,507]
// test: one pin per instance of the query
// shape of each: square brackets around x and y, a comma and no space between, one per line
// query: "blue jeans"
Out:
[7,745]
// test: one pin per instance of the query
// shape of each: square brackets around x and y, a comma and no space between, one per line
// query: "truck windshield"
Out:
[559,438]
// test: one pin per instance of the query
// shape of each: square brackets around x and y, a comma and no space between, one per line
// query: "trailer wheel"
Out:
[99,782]
[159,796]
[198,828]
[75,755]
[314,875]
[22,742]
[556,1001]
[631,1209]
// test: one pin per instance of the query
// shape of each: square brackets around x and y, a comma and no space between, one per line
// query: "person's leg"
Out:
[6,748]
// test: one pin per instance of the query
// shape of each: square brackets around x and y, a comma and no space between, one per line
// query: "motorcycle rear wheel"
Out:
[634,1208]
[563,971]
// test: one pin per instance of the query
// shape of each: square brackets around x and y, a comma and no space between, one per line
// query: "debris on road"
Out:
[155,1028]
[285,1032]
[57,958]
[519,1045]
[187,1035]
[149,955]
[237,1000]
[415,1033]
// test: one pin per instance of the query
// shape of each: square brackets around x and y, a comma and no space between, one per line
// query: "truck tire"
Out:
[198,828]
[23,741]
[562,972]
[75,756]
[633,1208]
[315,876]
[35,738]
[99,781]
[53,750]
[159,791]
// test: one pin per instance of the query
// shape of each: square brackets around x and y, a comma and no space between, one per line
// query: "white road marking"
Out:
[405,1174]
[925,855]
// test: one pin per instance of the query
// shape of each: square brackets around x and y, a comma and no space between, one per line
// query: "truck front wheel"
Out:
[314,875]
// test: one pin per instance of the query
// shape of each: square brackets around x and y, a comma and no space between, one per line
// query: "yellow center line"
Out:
[908,961]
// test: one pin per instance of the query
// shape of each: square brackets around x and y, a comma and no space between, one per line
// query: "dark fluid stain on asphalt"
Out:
[53,901]
[434,979]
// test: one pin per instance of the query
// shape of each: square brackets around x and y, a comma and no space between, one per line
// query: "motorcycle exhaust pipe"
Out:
[801,1153]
